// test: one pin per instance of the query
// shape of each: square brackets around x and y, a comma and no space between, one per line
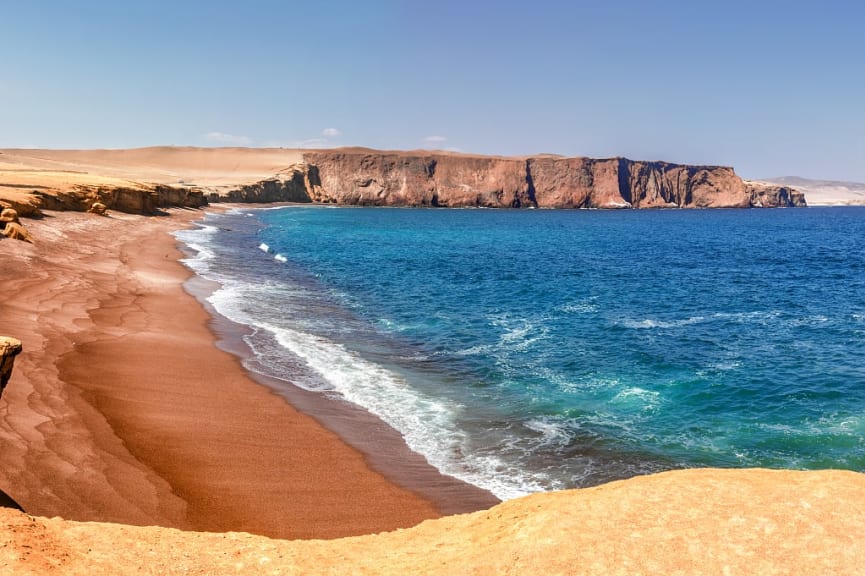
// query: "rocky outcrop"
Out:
[764,194]
[372,178]
[623,183]
[98,208]
[134,199]
[177,196]
[11,227]
[369,178]
[27,205]
[9,349]
[297,183]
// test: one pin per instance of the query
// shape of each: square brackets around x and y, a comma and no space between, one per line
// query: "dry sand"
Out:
[122,409]
[204,167]
[25,173]
[683,522]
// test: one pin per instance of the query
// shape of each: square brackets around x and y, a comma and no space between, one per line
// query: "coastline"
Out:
[384,448]
[123,409]
[77,450]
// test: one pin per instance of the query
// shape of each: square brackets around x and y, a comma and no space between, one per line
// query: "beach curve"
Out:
[123,410]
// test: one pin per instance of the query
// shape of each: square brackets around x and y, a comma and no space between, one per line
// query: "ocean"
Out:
[533,350]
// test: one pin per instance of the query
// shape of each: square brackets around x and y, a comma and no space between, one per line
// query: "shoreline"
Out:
[94,429]
[383,447]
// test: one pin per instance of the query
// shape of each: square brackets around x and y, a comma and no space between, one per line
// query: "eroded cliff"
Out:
[373,178]
[141,181]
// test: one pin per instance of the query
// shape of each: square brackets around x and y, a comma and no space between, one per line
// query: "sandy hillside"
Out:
[825,192]
[162,165]
[682,522]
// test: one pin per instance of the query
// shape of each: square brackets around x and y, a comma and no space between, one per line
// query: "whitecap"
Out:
[581,307]
[649,323]
[638,397]
[553,431]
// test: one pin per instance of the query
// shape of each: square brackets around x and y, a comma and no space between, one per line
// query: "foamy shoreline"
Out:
[384,447]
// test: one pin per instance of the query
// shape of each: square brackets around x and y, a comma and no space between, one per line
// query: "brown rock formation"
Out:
[297,183]
[368,177]
[765,194]
[682,522]
[132,198]
[11,227]
[144,180]
[98,208]
[9,349]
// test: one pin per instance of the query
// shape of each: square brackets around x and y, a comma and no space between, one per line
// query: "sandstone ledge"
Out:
[682,522]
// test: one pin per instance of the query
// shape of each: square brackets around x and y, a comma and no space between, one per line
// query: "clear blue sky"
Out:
[772,88]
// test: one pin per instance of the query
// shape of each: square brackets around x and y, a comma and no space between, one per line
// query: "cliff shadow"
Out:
[6,501]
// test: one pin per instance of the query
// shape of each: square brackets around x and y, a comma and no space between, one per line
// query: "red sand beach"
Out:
[122,409]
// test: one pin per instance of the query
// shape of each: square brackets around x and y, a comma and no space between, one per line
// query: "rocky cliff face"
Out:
[373,178]
[135,199]
[364,177]
[297,183]
[768,195]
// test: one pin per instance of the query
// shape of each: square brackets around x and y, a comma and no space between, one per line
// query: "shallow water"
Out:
[534,350]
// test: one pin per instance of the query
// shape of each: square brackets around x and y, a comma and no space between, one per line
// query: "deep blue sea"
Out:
[527,350]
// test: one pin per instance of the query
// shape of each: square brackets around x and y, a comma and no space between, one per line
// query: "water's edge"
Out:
[384,448]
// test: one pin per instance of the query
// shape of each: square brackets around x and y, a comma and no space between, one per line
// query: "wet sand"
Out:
[122,409]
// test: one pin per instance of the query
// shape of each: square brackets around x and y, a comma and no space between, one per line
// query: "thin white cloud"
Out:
[435,140]
[228,139]
[331,132]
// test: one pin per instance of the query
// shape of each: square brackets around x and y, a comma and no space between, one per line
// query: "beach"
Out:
[129,416]
[123,409]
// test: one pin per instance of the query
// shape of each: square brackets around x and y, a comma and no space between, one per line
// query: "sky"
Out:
[772,88]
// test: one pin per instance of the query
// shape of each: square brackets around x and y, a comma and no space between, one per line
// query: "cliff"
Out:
[766,194]
[682,522]
[31,191]
[372,178]
[297,183]
[134,198]
[144,180]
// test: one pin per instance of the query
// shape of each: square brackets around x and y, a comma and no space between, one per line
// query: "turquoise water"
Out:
[536,350]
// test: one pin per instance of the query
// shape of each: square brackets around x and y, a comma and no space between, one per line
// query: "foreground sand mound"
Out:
[682,522]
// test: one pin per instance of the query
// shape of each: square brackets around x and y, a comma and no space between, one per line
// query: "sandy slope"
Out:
[683,522]
[162,165]
[210,170]
[826,192]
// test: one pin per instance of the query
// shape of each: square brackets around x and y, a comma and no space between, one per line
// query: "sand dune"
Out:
[825,192]
[162,165]
[28,175]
